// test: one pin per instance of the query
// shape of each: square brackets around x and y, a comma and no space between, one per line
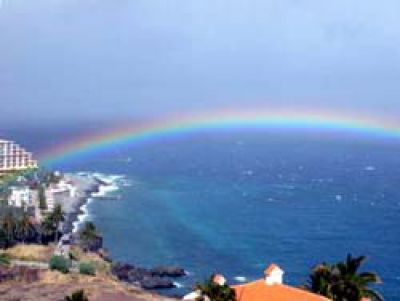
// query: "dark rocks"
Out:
[155,282]
[122,271]
[100,182]
[169,271]
[156,278]
[92,245]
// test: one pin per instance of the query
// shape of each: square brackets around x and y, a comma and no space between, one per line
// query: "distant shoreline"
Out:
[73,206]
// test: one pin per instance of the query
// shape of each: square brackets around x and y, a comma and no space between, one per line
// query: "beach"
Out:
[74,206]
[88,186]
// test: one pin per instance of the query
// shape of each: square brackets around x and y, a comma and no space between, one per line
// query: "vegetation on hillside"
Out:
[88,236]
[31,252]
[4,259]
[60,263]
[18,226]
[87,268]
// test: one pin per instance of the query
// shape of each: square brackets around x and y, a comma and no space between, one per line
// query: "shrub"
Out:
[4,259]
[77,296]
[59,263]
[87,268]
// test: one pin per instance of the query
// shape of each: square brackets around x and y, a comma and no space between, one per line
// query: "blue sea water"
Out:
[236,202]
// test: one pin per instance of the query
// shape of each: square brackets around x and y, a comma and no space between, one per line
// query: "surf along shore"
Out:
[73,206]
[96,186]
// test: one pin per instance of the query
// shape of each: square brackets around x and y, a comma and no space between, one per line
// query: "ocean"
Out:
[234,202]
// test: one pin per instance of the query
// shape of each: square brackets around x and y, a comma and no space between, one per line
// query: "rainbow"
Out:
[214,121]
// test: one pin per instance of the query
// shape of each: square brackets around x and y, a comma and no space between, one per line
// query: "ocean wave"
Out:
[105,190]
[178,285]
[108,178]
[112,183]
[240,278]
[83,216]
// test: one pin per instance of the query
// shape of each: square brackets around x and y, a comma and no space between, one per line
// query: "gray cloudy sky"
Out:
[109,59]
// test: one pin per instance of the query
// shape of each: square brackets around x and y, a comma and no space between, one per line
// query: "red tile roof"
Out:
[260,291]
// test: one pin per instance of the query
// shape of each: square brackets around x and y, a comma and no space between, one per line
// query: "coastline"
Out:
[89,186]
[72,219]
[85,186]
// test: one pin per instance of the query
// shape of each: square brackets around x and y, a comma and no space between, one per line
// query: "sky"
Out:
[109,60]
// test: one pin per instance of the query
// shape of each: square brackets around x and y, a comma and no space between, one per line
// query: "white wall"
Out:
[275,277]
[20,197]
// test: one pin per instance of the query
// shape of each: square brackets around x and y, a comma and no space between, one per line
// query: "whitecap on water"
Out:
[248,172]
[178,285]
[240,279]
[370,168]
[105,190]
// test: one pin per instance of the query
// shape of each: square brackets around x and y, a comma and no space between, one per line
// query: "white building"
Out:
[64,187]
[273,275]
[20,197]
[14,158]
[50,201]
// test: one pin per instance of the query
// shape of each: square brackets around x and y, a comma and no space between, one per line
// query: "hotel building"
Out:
[14,158]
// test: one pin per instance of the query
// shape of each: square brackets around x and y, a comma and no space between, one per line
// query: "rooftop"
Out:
[259,290]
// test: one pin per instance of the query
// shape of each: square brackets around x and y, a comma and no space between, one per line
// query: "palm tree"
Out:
[210,290]
[320,280]
[4,242]
[88,232]
[9,225]
[47,227]
[343,282]
[57,216]
[88,236]
[25,227]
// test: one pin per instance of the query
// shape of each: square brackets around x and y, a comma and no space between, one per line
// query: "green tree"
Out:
[42,198]
[47,227]
[57,216]
[25,227]
[342,281]
[214,291]
[89,237]
[77,296]
[3,239]
[9,225]
[88,232]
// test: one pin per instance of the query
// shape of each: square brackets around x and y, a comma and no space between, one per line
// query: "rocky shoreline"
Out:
[155,278]
[150,279]
[72,206]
